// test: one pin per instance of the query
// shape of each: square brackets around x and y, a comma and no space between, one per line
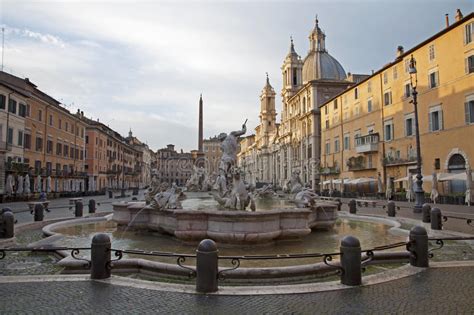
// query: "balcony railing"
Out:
[367,143]
[390,160]
[329,170]
[359,163]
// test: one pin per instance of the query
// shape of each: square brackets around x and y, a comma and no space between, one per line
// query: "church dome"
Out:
[319,64]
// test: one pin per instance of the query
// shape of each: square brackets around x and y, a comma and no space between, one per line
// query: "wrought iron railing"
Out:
[468,220]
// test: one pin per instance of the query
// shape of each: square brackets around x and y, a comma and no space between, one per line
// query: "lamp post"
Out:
[418,189]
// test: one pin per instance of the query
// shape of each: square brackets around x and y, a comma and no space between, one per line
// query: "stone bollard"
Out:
[391,211]
[7,223]
[339,204]
[100,256]
[351,261]
[206,266]
[418,246]
[79,207]
[111,194]
[352,206]
[39,212]
[436,219]
[92,206]
[426,210]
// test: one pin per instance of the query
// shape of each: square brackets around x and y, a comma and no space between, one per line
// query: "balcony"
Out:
[5,146]
[395,161]
[329,170]
[359,163]
[368,143]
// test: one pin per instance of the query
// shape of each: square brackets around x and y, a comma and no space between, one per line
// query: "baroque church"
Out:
[277,150]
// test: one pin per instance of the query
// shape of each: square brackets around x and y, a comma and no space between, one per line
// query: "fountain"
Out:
[229,220]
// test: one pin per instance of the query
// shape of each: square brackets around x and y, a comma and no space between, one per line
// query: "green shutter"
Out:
[441,126]
[467,119]
[430,122]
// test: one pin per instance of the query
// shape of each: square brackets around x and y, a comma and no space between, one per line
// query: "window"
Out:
[388,128]
[49,146]
[59,149]
[326,111]
[469,64]
[435,118]
[385,77]
[295,81]
[437,164]
[369,105]
[22,110]
[356,110]
[387,98]
[50,120]
[369,161]
[12,106]
[20,138]
[71,153]
[369,87]
[468,33]
[28,110]
[2,101]
[66,150]
[431,52]
[10,136]
[407,93]
[407,65]
[66,126]
[328,147]
[335,104]
[72,129]
[395,72]
[327,123]
[39,144]
[336,145]
[82,130]
[40,115]
[60,123]
[87,139]
[58,168]
[356,93]
[409,125]
[433,79]
[27,141]
[469,110]
[347,141]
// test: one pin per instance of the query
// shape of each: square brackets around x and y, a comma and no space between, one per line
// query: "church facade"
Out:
[293,145]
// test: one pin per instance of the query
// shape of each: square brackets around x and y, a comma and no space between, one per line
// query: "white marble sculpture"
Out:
[267,191]
[305,198]
[294,184]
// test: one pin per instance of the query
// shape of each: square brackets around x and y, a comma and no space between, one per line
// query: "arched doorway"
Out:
[457,164]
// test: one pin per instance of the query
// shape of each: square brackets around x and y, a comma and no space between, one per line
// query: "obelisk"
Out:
[200,126]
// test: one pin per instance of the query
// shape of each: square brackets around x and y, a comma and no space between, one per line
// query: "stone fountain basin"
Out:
[226,226]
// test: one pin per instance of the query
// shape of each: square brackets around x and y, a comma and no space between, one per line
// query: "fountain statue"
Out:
[306,198]
[230,190]
[294,184]
[160,196]
[199,180]
[266,192]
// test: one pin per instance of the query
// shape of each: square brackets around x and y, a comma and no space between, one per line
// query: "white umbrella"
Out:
[27,184]
[469,185]
[48,184]
[331,187]
[9,185]
[410,192]
[38,183]
[56,184]
[19,189]
[388,192]
[342,185]
[379,184]
[434,188]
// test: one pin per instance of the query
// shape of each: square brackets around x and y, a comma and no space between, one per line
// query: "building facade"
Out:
[369,129]
[212,154]
[172,166]
[53,139]
[293,145]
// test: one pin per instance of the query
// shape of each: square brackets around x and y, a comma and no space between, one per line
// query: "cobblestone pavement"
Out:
[436,290]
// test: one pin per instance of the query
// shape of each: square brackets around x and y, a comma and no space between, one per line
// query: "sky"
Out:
[143,64]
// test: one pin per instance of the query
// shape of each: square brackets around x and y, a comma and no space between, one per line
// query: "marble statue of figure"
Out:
[229,147]
[239,198]
[152,190]
[221,183]
[267,191]
[305,198]
[168,199]
[294,184]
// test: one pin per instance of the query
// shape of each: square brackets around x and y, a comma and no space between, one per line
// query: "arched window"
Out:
[304,105]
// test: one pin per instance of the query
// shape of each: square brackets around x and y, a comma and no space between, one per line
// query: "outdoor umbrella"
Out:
[379,184]
[468,186]
[434,188]
[388,192]
[19,189]
[409,194]
[48,184]
[27,184]
[38,183]
[331,187]
[56,184]
[9,185]
[342,185]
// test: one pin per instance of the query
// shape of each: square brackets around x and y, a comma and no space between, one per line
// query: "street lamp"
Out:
[418,189]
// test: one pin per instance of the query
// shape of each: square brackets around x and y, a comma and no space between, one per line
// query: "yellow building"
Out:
[370,127]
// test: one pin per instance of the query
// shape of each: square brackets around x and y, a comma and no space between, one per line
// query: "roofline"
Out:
[15,89]
[406,53]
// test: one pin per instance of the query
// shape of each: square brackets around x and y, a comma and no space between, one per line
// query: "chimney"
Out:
[447,20]
[459,15]
[82,114]
[400,51]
